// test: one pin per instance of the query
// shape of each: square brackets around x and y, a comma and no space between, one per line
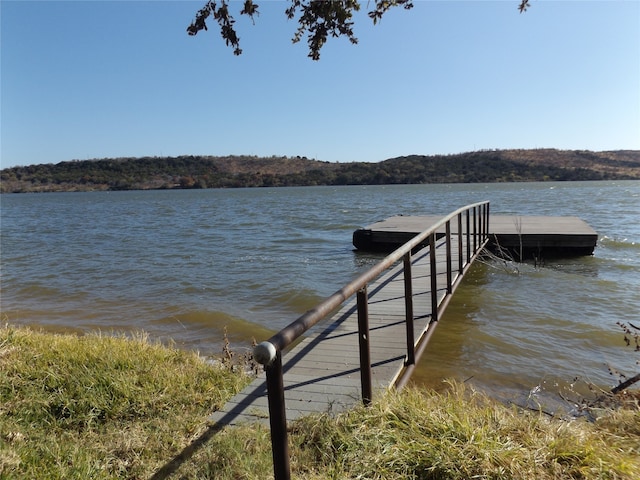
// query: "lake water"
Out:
[185,265]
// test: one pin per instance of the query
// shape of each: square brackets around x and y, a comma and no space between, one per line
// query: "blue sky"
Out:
[93,79]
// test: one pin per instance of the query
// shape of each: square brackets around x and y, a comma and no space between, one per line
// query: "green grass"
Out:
[104,407]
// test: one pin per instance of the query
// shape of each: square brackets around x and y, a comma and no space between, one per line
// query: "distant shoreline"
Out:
[200,172]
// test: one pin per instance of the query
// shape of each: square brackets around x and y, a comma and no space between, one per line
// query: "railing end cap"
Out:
[264,353]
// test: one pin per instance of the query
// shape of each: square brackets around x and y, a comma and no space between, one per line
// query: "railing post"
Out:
[468,239]
[408,303]
[475,232]
[434,280]
[278,419]
[460,255]
[481,222]
[363,341]
[486,221]
[486,232]
[448,235]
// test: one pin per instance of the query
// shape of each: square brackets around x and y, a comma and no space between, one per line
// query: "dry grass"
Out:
[459,434]
[103,407]
[100,406]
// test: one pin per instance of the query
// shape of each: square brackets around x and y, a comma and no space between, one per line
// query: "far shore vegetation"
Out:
[122,407]
[198,172]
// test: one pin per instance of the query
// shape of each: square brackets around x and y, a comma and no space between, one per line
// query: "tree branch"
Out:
[524,5]
[317,19]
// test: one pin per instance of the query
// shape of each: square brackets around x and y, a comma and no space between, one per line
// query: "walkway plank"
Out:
[322,372]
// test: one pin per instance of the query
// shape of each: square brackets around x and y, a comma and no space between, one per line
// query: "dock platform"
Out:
[529,235]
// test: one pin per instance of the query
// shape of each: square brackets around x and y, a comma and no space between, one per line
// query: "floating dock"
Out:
[522,236]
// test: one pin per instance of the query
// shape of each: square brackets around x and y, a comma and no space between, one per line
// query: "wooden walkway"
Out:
[322,372]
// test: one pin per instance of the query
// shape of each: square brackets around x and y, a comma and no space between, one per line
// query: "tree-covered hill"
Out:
[249,171]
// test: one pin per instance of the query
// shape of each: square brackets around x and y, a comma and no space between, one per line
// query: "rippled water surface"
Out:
[183,265]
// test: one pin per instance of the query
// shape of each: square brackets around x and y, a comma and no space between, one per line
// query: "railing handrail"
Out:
[264,352]
[269,353]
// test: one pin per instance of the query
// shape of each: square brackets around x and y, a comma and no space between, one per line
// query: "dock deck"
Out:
[322,372]
[537,235]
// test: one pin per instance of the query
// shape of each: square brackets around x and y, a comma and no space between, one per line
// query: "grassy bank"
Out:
[96,407]
[103,407]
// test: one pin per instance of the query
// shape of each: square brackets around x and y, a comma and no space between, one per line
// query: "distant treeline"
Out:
[249,171]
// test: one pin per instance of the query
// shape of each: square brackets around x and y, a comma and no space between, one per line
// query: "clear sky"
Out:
[96,79]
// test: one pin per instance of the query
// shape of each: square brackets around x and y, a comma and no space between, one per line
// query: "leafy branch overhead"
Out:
[317,19]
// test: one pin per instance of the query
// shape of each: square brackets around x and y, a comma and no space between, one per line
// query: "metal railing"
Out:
[472,222]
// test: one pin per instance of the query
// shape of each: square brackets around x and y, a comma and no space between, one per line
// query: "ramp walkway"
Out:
[374,329]
[322,372]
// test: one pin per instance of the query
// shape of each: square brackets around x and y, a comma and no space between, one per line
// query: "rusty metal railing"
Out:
[472,222]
